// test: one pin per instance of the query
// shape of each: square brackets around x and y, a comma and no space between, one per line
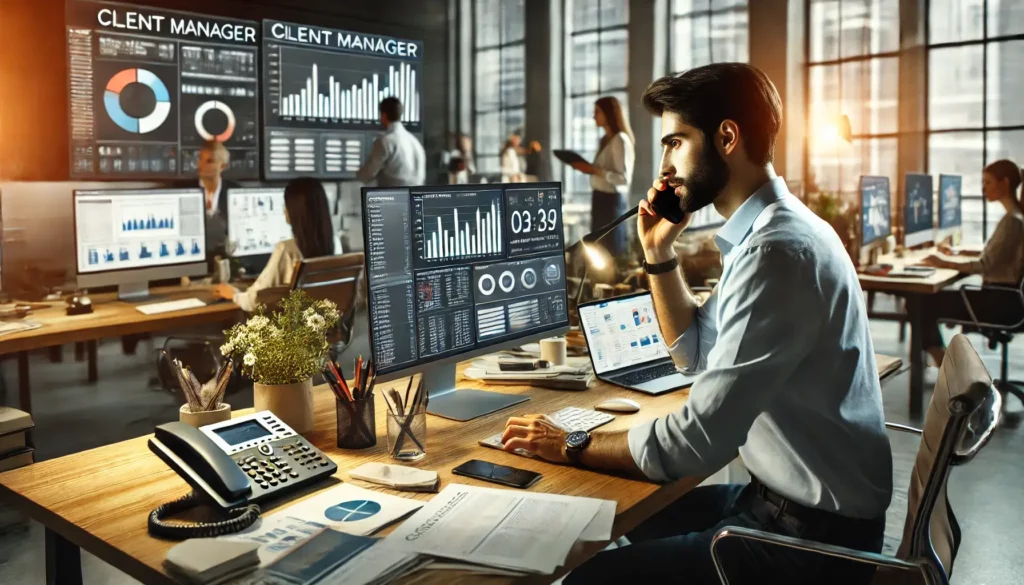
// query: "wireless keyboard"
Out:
[570,418]
[169,306]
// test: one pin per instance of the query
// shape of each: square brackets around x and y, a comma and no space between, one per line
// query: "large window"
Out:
[596,66]
[975,84]
[707,31]
[853,89]
[499,96]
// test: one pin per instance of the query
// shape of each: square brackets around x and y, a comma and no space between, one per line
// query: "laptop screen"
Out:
[622,332]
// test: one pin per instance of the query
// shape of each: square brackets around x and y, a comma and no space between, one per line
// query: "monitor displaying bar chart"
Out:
[323,92]
[458,226]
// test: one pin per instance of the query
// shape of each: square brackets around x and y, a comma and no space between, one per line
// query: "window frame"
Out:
[502,108]
[985,41]
[710,13]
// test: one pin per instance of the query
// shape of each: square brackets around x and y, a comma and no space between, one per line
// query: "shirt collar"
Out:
[739,225]
[394,127]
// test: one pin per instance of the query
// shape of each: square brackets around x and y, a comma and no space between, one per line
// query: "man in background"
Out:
[397,158]
[213,160]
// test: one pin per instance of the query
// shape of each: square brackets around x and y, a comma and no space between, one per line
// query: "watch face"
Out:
[577,439]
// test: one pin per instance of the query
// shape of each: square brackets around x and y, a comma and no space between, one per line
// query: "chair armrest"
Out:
[965,288]
[811,546]
[903,428]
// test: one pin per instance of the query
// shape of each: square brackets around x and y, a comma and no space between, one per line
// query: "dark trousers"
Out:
[604,207]
[674,546]
[990,306]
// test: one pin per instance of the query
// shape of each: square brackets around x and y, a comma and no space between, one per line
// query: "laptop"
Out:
[626,347]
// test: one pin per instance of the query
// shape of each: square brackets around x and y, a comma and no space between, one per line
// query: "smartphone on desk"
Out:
[499,474]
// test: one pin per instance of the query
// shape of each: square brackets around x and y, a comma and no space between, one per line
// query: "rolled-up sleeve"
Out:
[690,350]
[768,323]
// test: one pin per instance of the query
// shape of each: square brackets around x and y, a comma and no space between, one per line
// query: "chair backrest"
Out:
[338,279]
[961,417]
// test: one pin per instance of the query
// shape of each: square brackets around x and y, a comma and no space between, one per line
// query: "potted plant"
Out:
[281,352]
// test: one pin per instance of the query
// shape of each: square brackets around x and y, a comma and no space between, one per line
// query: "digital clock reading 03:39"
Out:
[533,220]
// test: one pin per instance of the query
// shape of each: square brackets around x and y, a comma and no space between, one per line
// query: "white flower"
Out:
[315,322]
[227,348]
[249,359]
[258,322]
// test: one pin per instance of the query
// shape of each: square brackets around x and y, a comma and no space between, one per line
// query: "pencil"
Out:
[359,369]
[347,392]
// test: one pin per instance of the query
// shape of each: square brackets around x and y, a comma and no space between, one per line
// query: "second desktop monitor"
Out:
[455,269]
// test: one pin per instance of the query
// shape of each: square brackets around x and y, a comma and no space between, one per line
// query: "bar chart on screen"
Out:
[324,85]
[458,227]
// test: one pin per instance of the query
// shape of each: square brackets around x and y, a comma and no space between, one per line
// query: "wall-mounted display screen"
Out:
[148,87]
[323,88]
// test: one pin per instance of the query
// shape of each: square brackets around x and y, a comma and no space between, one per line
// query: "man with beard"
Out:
[788,379]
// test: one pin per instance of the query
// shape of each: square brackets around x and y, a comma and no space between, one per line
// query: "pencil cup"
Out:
[407,435]
[357,428]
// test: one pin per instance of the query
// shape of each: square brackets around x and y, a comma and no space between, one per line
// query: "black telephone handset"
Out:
[201,463]
[666,204]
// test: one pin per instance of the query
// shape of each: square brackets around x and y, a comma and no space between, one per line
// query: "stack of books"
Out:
[15,451]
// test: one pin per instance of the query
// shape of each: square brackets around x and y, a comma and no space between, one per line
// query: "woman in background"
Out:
[611,172]
[1002,263]
[306,210]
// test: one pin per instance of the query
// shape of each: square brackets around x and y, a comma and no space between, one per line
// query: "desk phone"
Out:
[234,464]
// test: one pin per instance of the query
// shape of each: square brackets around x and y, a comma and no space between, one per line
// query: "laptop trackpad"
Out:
[666,384]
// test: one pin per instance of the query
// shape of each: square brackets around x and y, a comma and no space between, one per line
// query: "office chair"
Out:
[998,334]
[963,414]
[338,279]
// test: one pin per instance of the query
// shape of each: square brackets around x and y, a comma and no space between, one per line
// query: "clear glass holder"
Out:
[407,435]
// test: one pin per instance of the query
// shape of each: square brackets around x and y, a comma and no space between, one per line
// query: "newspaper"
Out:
[515,530]
[277,535]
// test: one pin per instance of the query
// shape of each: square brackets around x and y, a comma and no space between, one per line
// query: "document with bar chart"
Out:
[323,92]
[458,227]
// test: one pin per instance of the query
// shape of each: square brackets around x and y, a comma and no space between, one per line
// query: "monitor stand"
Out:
[461,405]
[134,292]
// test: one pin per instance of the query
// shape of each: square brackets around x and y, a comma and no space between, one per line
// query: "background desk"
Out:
[110,318]
[912,290]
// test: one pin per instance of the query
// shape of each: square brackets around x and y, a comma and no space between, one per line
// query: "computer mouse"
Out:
[619,405]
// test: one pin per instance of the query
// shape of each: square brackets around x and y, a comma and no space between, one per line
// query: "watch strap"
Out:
[661,267]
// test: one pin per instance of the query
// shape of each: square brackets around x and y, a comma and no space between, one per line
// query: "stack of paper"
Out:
[398,477]
[208,561]
[576,374]
[354,510]
[514,530]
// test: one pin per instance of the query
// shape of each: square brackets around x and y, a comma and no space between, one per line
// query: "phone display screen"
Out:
[242,432]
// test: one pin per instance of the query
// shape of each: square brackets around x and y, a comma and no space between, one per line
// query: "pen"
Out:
[359,369]
[364,376]
[344,389]
[341,378]
[373,380]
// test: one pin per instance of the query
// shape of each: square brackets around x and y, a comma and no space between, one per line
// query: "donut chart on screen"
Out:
[147,123]
[224,109]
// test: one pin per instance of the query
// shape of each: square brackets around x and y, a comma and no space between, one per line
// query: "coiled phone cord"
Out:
[241,518]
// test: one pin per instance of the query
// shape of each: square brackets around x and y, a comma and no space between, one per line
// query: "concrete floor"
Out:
[72,416]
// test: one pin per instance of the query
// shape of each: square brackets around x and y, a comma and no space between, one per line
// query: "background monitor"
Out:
[918,210]
[460,271]
[256,223]
[149,86]
[950,195]
[875,210]
[322,94]
[130,237]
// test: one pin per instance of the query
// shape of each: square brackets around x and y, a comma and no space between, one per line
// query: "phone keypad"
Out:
[276,465]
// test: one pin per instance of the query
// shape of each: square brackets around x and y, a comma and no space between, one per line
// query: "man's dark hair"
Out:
[706,96]
[391,107]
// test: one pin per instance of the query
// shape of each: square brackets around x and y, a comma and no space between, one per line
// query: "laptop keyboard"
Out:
[646,375]
[571,418]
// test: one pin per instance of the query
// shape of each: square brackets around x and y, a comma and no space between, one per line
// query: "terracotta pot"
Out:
[199,419]
[292,403]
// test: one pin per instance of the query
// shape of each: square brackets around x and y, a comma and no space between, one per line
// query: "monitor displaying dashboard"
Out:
[452,269]
[149,86]
[322,92]
[256,221]
[875,210]
[126,229]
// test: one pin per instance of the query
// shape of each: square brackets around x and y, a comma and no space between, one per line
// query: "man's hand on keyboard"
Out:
[538,434]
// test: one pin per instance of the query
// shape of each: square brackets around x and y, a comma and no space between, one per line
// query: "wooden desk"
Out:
[110,318]
[912,290]
[100,499]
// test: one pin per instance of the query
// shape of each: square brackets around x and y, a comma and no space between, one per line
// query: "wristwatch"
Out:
[661,267]
[575,443]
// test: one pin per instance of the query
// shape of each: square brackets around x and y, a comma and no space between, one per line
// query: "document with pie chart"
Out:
[354,510]
[148,87]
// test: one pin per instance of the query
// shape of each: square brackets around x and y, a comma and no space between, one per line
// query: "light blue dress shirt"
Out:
[788,376]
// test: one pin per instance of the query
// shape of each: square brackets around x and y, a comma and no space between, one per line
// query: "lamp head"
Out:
[594,255]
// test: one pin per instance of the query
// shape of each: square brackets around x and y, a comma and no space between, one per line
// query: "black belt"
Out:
[780,505]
